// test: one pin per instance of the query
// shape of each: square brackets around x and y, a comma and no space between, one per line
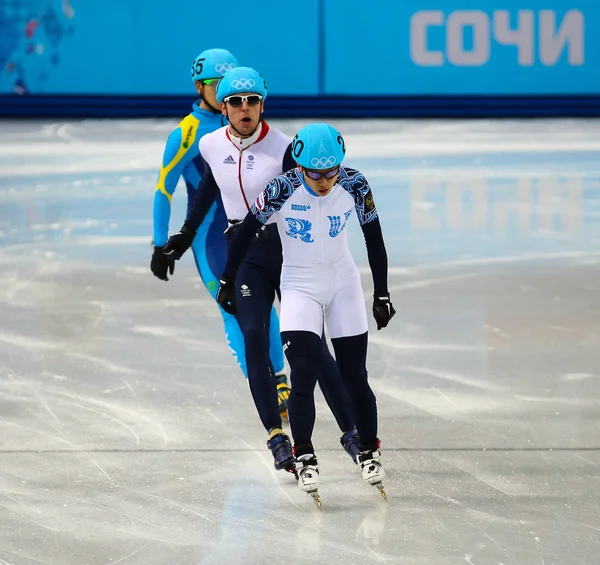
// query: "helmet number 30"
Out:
[197,66]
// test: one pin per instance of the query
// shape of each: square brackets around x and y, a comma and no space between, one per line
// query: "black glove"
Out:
[226,295]
[179,243]
[383,311]
[160,264]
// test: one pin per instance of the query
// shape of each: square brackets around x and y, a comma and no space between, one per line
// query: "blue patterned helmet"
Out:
[318,146]
[212,63]
[241,79]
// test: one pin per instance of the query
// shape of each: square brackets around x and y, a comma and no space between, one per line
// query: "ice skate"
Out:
[350,442]
[372,469]
[283,394]
[307,469]
[281,448]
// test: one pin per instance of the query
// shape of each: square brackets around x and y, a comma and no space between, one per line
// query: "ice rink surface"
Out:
[128,435]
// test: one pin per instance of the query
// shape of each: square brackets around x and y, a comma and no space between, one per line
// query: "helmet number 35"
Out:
[197,66]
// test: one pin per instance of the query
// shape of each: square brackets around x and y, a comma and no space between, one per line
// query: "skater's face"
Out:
[323,186]
[243,112]
[207,89]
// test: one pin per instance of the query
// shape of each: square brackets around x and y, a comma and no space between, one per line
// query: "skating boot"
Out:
[350,442]
[281,448]
[372,469]
[283,394]
[307,470]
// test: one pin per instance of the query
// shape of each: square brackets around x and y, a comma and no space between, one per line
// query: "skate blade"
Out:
[381,490]
[316,499]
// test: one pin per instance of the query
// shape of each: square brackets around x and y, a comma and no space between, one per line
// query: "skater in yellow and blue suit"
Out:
[182,159]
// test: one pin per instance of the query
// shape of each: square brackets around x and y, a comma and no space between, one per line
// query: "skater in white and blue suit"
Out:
[311,205]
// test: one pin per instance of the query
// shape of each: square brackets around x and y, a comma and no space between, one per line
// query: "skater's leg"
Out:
[210,251]
[303,352]
[276,354]
[337,398]
[303,355]
[272,246]
[235,340]
[233,333]
[346,318]
[275,349]
[254,303]
[351,355]
[334,390]
[347,323]
[301,330]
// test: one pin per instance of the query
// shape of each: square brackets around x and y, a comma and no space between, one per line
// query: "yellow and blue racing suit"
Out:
[182,159]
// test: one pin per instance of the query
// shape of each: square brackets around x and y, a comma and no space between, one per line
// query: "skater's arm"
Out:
[356,184]
[239,243]
[268,202]
[383,309]
[175,158]
[204,198]
[377,255]
[205,195]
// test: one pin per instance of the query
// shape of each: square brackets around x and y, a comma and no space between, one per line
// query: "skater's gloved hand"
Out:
[383,311]
[160,264]
[179,243]
[226,295]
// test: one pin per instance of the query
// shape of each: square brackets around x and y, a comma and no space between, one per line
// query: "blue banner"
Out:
[317,47]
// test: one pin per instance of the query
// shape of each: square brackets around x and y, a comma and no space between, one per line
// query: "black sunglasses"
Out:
[237,100]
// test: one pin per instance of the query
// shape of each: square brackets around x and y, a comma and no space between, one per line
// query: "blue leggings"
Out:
[210,253]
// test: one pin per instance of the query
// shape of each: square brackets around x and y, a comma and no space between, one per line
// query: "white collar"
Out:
[244,142]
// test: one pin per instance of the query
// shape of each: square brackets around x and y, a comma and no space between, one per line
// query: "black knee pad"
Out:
[301,344]
[303,352]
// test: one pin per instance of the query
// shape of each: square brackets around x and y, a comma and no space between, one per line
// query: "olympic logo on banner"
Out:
[223,68]
[323,162]
[243,84]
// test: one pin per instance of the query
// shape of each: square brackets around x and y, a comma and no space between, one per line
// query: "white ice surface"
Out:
[127,434]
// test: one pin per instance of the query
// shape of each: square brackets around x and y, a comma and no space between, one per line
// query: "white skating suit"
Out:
[241,168]
[319,277]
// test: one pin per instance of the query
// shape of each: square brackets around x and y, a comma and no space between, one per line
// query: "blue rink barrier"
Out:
[436,58]
[81,106]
